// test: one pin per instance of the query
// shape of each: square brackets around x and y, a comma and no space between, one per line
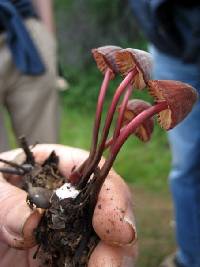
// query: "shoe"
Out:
[171,261]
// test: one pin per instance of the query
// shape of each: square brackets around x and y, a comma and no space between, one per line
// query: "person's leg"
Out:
[185,172]
[4,65]
[32,101]
[4,146]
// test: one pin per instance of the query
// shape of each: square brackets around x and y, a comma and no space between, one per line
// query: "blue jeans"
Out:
[185,172]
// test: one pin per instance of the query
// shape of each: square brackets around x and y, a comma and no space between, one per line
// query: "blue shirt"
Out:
[24,52]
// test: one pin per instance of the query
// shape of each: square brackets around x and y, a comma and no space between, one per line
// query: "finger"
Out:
[17,220]
[112,256]
[113,218]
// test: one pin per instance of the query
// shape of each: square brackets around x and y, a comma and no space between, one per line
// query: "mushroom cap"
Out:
[105,58]
[180,98]
[129,59]
[135,107]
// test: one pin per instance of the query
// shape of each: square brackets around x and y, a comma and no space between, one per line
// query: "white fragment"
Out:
[67,191]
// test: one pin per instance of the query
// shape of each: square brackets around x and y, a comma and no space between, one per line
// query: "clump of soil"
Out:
[65,234]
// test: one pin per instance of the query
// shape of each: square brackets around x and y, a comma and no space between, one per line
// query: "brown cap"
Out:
[105,58]
[129,59]
[180,98]
[135,107]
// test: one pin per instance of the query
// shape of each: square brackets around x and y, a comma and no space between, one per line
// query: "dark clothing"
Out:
[171,25]
[24,52]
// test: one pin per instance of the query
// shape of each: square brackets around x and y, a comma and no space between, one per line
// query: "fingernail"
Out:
[131,223]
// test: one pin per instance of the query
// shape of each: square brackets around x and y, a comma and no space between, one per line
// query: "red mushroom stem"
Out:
[122,111]
[99,109]
[77,173]
[124,134]
[110,114]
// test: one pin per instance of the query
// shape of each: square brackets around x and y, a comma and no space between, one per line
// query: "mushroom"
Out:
[130,59]
[133,108]
[108,59]
[105,58]
[180,98]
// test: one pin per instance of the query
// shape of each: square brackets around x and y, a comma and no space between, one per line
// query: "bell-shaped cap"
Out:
[135,107]
[105,58]
[180,98]
[129,59]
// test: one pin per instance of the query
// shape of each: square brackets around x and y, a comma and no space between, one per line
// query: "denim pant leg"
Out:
[185,172]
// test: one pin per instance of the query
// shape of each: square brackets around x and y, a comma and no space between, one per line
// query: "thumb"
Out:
[17,220]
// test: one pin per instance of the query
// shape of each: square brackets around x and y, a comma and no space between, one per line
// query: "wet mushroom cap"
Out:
[180,98]
[129,59]
[135,107]
[105,58]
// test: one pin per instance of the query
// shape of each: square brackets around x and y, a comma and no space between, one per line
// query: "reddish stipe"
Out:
[77,173]
[120,90]
[126,132]
[122,111]
[100,103]
[122,87]
[110,141]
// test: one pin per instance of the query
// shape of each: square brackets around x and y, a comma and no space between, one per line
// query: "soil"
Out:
[65,235]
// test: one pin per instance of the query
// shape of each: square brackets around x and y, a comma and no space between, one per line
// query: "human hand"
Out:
[113,218]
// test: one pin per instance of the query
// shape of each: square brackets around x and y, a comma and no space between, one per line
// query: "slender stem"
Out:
[122,111]
[125,133]
[120,90]
[99,109]
[77,173]
[130,128]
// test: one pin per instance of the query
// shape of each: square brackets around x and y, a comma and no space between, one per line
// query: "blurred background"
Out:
[81,26]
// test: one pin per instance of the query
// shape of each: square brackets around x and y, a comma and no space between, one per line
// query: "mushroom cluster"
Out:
[173,102]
